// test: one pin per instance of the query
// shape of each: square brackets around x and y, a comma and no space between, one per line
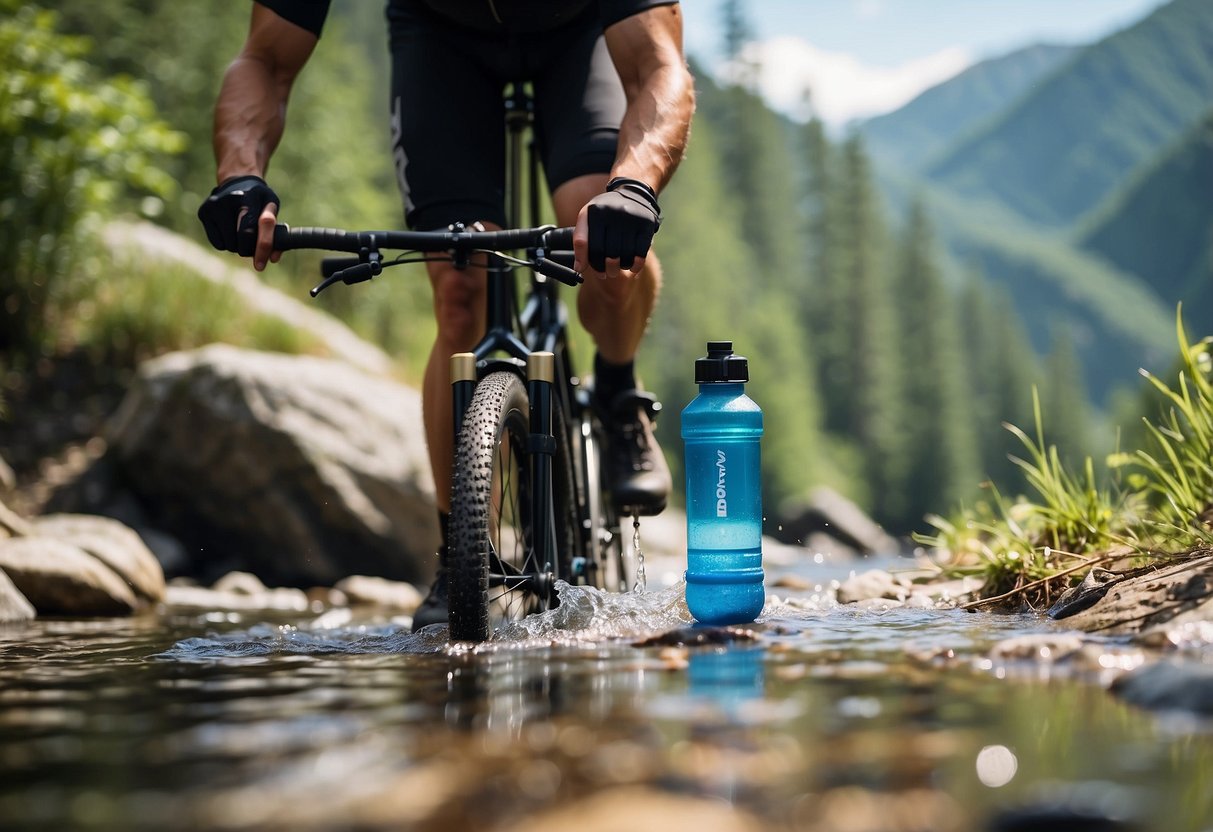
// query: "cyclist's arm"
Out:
[250,113]
[647,51]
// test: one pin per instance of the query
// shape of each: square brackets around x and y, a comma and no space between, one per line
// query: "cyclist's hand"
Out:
[618,226]
[239,215]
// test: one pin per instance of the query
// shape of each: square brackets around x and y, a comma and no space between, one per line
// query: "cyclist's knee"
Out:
[458,304]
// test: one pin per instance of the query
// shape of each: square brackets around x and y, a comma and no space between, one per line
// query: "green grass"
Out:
[1158,502]
[123,311]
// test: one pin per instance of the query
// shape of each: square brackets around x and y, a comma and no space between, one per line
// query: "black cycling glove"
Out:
[622,222]
[220,213]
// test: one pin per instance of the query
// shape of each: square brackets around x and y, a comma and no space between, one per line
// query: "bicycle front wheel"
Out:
[493,570]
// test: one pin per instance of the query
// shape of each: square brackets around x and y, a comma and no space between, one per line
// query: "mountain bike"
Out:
[528,503]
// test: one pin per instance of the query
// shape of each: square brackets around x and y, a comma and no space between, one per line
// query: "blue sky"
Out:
[861,57]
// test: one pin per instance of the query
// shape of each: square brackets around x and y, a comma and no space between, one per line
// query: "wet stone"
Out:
[380,592]
[61,579]
[1169,686]
[13,605]
[113,543]
[699,636]
[875,583]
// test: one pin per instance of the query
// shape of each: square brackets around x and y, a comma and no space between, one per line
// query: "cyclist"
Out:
[613,105]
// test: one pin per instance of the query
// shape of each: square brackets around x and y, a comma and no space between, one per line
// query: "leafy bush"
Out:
[70,144]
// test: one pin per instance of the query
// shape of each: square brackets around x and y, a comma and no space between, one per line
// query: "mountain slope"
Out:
[1160,227]
[1116,322]
[1066,146]
[914,134]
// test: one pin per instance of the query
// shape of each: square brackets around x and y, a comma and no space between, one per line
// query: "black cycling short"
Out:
[448,112]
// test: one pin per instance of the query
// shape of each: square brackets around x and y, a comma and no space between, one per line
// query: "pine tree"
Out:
[1066,413]
[824,306]
[936,417]
[872,397]
[1002,368]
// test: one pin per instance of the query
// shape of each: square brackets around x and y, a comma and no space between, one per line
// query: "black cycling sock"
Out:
[612,379]
[444,524]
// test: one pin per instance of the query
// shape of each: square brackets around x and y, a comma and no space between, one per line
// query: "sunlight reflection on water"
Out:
[815,717]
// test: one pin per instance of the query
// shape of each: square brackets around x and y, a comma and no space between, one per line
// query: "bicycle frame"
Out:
[543,322]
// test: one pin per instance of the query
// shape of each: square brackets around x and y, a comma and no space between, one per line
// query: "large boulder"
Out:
[13,605]
[61,579]
[827,514]
[114,544]
[301,470]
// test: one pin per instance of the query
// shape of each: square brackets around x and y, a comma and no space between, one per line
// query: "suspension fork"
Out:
[541,375]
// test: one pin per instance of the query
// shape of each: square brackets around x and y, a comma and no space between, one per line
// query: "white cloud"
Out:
[869,9]
[841,88]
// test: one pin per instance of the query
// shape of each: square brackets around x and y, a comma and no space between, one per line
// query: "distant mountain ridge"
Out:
[1068,144]
[1160,227]
[919,131]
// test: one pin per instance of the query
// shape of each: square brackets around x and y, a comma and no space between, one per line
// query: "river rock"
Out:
[8,480]
[640,809]
[301,470]
[826,512]
[12,524]
[61,579]
[875,583]
[282,599]
[1170,595]
[379,592]
[13,605]
[112,543]
[1169,686]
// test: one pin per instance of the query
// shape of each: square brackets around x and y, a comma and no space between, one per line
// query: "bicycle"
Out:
[528,503]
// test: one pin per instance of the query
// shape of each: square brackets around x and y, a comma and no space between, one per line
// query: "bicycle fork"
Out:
[541,446]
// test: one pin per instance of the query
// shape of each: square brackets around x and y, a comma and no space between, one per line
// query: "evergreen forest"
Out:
[900,288]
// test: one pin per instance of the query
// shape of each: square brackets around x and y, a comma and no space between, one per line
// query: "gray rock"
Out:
[1162,597]
[827,512]
[8,480]
[12,524]
[61,579]
[196,597]
[13,605]
[1094,585]
[1043,647]
[112,543]
[1169,686]
[380,592]
[301,470]
[875,583]
[240,583]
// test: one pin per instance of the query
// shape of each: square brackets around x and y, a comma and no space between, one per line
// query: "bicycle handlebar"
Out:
[543,241]
[334,239]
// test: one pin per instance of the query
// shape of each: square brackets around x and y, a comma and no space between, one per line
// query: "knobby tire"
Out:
[491,509]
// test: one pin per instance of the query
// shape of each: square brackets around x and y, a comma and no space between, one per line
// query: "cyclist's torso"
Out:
[518,16]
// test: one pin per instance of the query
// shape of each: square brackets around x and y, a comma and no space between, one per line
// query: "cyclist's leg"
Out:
[448,149]
[579,104]
[614,312]
[579,108]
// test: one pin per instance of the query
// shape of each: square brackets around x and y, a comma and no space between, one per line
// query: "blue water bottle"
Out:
[722,429]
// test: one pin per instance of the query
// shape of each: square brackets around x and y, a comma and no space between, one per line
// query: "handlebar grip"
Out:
[558,271]
[559,238]
[333,239]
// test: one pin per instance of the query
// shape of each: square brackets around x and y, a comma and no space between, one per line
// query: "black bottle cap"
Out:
[721,366]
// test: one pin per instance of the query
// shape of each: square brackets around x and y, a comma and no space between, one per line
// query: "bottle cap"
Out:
[721,366]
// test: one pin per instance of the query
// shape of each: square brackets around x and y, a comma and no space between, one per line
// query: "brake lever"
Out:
[350,276]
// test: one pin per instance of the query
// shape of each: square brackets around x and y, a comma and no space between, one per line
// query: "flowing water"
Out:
[828,718]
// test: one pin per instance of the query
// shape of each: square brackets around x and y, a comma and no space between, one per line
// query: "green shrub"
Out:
[130,311]
[70,144]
